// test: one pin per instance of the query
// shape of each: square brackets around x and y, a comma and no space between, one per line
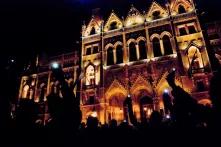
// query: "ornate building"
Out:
[132,56]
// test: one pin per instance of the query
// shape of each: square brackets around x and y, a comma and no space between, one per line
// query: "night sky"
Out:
[53,26]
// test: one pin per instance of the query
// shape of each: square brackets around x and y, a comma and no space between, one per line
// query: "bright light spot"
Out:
[12,60]
[168,116]
[174,69]
[94,114]
[145,108]
[129,95]
[166,91]
[55,65]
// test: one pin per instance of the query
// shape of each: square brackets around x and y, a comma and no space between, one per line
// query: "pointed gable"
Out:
[94,27]
[113,22]
[186,4]
[141,83]
[134,17]
[156,11]
[114,88]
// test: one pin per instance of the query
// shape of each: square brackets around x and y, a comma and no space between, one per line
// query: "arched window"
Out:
[110,56]
[90,75]
[119,51]
[156,14]
[93,31]
[132,52]
[195,58]
[113,25]
[142,50]
[181,9]
[25,91]
[167,45]
[156,47]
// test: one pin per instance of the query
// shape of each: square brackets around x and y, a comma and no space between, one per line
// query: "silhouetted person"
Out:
[215,93]
[113,124]
[185,107]
[155,120]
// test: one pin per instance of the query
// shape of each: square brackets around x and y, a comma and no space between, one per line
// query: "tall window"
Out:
[95,49]
[183,31]
[192,29]
[132,52]
[167,45]
[88,51]
[119,51]
[110,56]
[156,47]
[93,31]
[90,75]
[181,9]
[142,50]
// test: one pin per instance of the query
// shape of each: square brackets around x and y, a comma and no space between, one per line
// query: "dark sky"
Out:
[52,26]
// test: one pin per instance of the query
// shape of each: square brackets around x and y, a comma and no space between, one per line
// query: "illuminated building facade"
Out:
[133,55]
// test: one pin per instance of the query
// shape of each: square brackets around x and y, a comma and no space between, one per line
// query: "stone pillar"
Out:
[137,52]
[161,46]
[125,46]
[149,48]
[115,56]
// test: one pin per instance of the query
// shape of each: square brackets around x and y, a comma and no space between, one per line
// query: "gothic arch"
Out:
[154,36]
[156,7]
[165,33]
[195,57]
[177,3]
[134,17]
[95,24]
[114,88]
[112,19]
[117,44]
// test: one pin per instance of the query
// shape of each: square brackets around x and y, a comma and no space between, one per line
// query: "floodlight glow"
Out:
[166,91]
[55,65]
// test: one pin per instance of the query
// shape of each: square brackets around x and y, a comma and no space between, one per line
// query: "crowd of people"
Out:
[65,124]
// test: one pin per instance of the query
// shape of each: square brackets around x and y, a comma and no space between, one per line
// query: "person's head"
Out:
[92,122]
[113,123]
[155,118]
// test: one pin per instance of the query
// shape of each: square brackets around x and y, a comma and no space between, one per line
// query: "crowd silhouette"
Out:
[183,111]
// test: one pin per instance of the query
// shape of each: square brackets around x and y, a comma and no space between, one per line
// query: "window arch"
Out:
[132,52]
[156,47]
[119,51]
[142,49]
[90,75]
[195,58]
[168,50]
[113,25]
[110,56]
[181,9]
[93,31]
